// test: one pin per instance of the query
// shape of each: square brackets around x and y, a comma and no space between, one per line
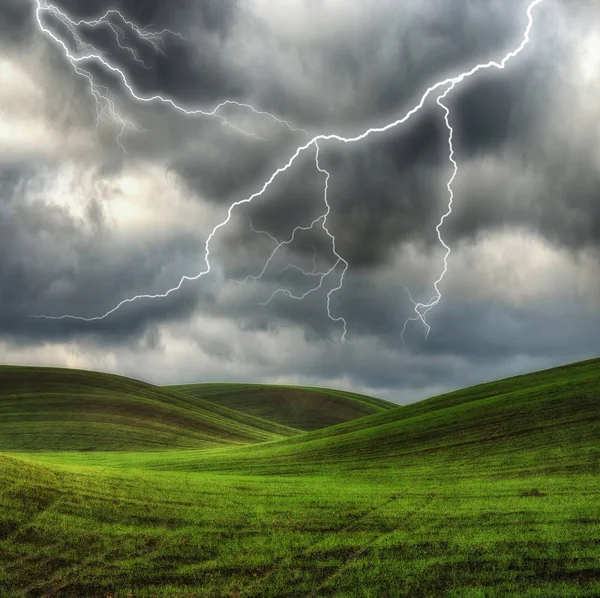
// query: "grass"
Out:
[302,407]
[489,491]
[51,408]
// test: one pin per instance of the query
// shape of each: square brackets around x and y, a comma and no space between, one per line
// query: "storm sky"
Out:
[86,223]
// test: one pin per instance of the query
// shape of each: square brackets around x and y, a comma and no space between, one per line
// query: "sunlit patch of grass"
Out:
[490,491]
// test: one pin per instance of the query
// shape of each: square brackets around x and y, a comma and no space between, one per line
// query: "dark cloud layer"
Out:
[524,140]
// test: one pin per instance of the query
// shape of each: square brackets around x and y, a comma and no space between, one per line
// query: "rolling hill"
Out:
[489,491]
[545,420]
[57,409]
[300,407]
[552,416]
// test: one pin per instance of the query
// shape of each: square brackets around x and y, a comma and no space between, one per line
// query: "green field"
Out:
[111,487]
[299,407]
[50,408]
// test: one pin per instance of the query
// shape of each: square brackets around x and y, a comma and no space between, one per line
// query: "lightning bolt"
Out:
[313,272]
[85,53]
[445,86]
[340,259]
[322,220]
[278,246]
[422,309]
[154,38]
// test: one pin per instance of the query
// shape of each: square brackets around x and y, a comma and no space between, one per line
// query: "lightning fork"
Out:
[119,33]
[313,272]
[86,53]
[446,85]
[278,246]
[422,309]
[154,38]
[322,275]
[340,259]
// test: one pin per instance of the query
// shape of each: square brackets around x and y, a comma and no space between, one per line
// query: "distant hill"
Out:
[488,491]
[60,409]
[301,407]
[547,419]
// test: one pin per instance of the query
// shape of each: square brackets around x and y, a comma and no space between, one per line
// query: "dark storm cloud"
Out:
[528,128]
[378,67]
[485,331]
[383,193]
[232,167]
[472,343]
[322,69]
[542,174]
[15,24]
[52,263]
[564,207]
[469,343]
[370,71]
[177,71]
[387,193]
[390,192]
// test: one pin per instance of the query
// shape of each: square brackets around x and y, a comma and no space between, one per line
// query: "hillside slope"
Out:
[489,491]
[300,407]
[57,409]
[549,418]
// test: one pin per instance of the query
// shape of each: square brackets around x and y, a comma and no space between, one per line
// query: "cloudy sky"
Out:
[103,197]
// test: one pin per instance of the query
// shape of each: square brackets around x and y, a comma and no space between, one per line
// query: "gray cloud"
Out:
[83,225]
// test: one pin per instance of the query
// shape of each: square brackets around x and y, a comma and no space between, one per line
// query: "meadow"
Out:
[112,487]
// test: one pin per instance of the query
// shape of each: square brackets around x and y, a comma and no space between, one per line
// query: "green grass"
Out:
[301,407]
[490,491]
[57,409]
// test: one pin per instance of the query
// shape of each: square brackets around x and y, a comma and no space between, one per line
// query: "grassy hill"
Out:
[300,407]
[542,420]
[57,409]
[547,419]
[492,491]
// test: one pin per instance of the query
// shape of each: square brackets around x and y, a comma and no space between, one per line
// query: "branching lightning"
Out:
[86,53]
[321,276]
[313,272]
[154,38]
[278,246]
[445,86]
[421,309]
